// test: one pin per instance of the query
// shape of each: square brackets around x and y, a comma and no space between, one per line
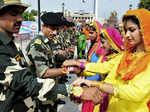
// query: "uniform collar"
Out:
[4,38]
[44,38]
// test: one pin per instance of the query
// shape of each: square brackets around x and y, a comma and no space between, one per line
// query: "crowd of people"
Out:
[112,64]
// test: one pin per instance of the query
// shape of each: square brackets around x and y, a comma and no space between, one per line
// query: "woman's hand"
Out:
[81,81]
[92,94]
[82,60]
[74,69]
[72,62]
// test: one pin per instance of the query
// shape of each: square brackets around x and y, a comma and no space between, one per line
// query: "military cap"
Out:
[72,24]
[67,23]
[6,3]
[52,19]
[64,20]
[60,14]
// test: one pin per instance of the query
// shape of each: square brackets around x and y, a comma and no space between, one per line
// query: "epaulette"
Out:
[37,41]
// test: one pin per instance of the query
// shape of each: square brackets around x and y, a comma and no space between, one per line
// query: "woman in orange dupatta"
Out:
[128,80]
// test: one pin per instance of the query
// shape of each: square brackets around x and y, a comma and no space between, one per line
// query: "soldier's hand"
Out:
[71,49]
[62,52]
[75,100]
[92,94]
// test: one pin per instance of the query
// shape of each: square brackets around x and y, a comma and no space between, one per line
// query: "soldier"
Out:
[44,49]
[66,35]
[16,81]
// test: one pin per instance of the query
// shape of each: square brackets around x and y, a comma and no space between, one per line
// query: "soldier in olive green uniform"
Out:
[66,36]
[16,80]
[45,51]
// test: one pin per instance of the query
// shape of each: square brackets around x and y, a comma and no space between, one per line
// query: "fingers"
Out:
[67,63]
[80,81]
[98,97]
[82,60]
[77,70]
[93,94]
[77,82]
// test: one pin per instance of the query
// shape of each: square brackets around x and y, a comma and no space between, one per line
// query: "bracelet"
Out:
[82,65]
[64,70]
[70,69]
[77,91]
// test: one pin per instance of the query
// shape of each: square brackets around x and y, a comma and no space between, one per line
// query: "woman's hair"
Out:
[111,51]
[92,27]
[134,19]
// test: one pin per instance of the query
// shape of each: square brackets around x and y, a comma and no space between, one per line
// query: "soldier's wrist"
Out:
[64,70]
[67,70]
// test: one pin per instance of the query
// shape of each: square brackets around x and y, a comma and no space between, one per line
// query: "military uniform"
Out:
[42,53]
[65,37]
[18,83]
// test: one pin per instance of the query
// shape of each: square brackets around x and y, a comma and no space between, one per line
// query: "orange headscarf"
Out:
[132,64]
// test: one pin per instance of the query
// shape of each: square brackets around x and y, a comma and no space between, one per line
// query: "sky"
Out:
[104,10]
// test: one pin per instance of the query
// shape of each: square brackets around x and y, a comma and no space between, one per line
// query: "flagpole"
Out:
[39,23]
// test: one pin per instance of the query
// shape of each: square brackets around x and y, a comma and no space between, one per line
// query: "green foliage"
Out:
[144,4]
[28,16]
[43,12]
[34,12]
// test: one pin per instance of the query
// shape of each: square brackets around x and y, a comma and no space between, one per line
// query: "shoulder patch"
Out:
[37,41]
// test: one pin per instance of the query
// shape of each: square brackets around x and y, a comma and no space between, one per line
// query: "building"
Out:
[82,17]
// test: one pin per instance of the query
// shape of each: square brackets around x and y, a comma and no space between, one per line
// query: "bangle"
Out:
[64,70]
[82,65]
[77,91]
[70,69]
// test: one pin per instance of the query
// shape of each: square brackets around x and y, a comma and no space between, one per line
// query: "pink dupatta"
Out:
[116,41]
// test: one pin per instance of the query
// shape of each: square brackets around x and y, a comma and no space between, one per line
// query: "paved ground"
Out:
[69,106]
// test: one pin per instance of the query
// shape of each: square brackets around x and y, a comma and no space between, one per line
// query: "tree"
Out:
[43,12]
[27,16]
[144,4]
[34,12]
[30,16]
